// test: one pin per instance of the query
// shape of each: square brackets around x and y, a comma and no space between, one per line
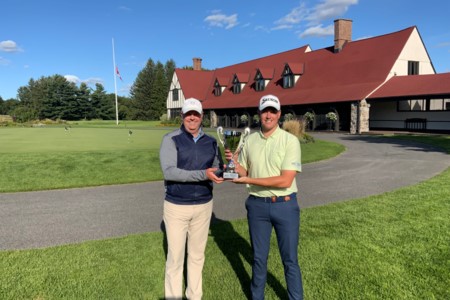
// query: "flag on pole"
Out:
[118,74]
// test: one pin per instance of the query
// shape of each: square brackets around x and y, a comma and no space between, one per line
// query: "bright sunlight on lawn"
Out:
[389,246]
[104,154]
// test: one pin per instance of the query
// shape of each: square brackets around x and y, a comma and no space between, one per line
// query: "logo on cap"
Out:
[269,101]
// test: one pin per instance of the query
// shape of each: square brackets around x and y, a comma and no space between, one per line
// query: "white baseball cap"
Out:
[269,101]
[192,104]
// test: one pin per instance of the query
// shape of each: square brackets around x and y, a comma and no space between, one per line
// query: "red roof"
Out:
[414,85]
[195,83]
[325,76]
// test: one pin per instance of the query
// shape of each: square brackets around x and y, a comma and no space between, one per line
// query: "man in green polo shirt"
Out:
[268,164]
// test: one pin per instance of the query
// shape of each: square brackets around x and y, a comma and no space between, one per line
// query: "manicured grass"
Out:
[389,246]
[112,123]
[392,246]
[93,154]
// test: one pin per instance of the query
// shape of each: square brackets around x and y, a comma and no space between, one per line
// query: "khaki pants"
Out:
[183,222]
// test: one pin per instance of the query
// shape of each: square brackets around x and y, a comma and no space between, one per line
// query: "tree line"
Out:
[54,97]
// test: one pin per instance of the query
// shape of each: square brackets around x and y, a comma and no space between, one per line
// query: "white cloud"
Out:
[329,9]
[93,81]
[89,81]
[9,46]
[280,27]
[325,10]
[318,31]
[218,19]
[72,78]
[296,15]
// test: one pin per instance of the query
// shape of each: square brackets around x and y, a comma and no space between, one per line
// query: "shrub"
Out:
[331,116]
[307,138]
[295,127]
[163,118]
[288,117]
[309,116]
[206,121]
[170,122]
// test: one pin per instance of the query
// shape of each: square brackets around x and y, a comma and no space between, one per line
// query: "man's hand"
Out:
[238,168]
[210,173]
[241,180]
[229,155]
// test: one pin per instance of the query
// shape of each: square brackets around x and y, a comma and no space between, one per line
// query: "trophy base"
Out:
[230,176]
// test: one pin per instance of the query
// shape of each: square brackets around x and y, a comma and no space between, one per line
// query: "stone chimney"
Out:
[342,34]
[197,64]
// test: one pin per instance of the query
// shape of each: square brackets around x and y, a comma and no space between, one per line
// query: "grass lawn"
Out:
[389,246]
[93,154]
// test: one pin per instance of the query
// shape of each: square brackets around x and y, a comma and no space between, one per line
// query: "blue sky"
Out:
[74,38]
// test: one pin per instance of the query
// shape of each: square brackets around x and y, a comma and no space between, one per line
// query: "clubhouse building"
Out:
[386,82]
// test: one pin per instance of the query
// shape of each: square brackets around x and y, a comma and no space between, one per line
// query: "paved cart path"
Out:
[371,165]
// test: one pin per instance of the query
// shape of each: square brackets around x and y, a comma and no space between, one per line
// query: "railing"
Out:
[416,124]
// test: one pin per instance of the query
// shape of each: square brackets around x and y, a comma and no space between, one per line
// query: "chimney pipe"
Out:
[342,34]
[197,64]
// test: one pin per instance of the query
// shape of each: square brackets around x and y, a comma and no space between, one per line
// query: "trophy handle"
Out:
[220,135]
[242,140]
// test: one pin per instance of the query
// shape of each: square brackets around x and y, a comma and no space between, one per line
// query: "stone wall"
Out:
[359,117]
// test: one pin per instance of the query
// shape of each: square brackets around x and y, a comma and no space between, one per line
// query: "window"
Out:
[412,105]
[236,86]
[433,104]
[288,78]
[175,94]
[260,83]
[413,67]
[217,89]
[439,104]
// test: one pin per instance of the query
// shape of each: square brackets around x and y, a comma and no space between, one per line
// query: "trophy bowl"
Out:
[232,140]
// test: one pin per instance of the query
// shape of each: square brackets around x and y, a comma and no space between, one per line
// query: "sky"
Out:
[41,38]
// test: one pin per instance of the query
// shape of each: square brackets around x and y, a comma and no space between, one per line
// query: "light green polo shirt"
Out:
[265,157]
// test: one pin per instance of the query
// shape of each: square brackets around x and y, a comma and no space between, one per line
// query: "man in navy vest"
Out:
[188,159]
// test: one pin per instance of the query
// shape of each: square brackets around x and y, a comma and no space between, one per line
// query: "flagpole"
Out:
[115,82]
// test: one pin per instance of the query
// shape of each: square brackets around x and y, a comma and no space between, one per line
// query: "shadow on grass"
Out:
[236,249]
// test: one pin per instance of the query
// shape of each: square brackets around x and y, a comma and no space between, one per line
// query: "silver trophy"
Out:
[234,141]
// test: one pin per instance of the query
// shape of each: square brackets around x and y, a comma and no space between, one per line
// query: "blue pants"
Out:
[263,214]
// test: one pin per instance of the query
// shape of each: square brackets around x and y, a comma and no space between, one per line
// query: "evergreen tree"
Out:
[102,106]
[84,99]
[124,107]
[2,106]
[30,98]
[141,93]
[59,101]
[159,91]
[169,68]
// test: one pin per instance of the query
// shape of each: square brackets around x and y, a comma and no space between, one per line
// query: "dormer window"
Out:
[288,78]
[260,83]
[217,89]
[236,86]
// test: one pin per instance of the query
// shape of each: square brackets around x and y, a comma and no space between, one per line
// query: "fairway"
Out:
[57,139]
[93,154]
[43,158]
